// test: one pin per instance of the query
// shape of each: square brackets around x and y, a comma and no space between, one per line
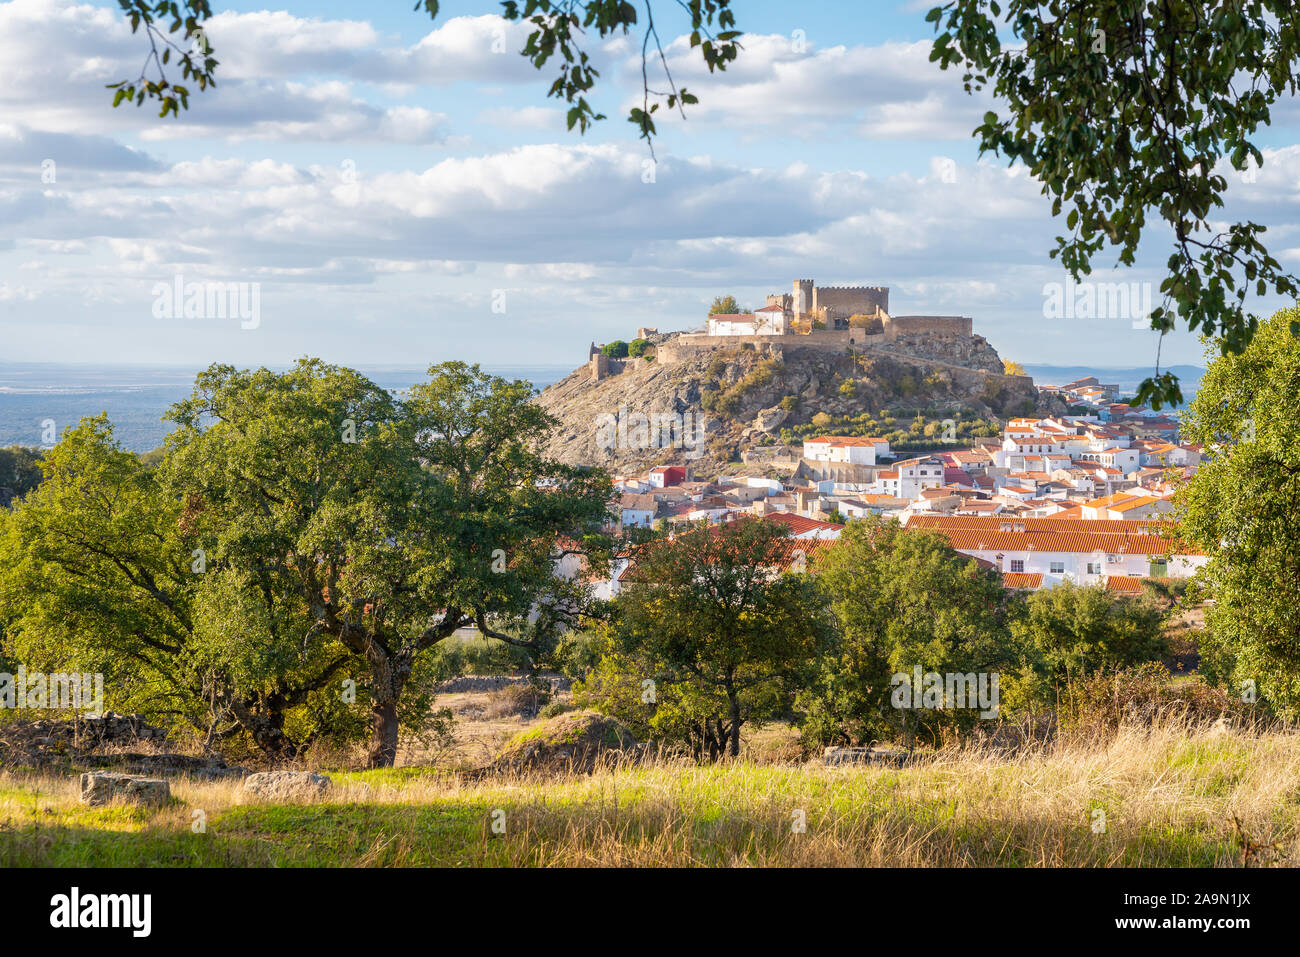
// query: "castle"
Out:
[809,307]
[829,318]
[830,304]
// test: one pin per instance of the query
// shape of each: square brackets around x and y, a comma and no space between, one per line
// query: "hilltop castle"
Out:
[809,307]
[828,318]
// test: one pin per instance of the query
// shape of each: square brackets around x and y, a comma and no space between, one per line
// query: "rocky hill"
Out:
[714,408]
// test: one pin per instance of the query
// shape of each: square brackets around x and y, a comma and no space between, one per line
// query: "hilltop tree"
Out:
[1239,509]
[711,633]
[724,306]
[1011,367]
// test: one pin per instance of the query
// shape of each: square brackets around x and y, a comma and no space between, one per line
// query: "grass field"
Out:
[1169,798]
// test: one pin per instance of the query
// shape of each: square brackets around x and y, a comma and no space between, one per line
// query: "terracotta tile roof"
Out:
[1128,584]
[1022,580]
[855,440]
[799,524]
[1067,521]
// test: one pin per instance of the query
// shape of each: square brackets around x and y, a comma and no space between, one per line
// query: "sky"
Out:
[401,191]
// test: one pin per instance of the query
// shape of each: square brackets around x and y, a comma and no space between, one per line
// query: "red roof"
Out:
[799,524]
[1128,584]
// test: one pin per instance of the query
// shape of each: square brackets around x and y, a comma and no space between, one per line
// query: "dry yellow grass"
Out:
[1169,795]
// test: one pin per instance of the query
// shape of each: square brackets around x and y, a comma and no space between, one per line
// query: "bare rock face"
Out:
[286,785]
[101,787]
[708,408]
[578,742]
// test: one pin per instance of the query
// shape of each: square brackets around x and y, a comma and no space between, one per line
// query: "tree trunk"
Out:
[264,721]
[388,673]
[734,700]
[383,733]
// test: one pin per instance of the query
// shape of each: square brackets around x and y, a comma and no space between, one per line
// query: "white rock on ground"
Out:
[100,787]
[281,785]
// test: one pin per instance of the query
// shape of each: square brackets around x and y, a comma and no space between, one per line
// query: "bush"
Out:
[576,653]
[637,347]
[476,655]
[556,708]
[1098,705]
[525,700]
[616,349]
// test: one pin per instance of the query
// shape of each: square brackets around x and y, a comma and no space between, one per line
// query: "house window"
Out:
[1094,568]
[1017,565]
[1057,568]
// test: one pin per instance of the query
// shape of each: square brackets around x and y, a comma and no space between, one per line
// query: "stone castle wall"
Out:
[688,345]
[929,325]
[848,301]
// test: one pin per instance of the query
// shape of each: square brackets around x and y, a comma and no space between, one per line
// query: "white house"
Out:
[1079,550]
[910,476]
[768,321]
[852,450]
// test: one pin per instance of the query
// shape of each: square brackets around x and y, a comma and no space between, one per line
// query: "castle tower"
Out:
[805,297]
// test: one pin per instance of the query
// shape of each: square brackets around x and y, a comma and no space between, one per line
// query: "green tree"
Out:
[904,599]
[723,632]
[1077,630]
[20,469]
[100,572]
[391,524]
[1239,509]
[725,306]
[618,349]
[637,347]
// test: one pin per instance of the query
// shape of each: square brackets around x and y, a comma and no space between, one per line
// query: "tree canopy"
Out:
[303,528]
[716,628]
[1240,509]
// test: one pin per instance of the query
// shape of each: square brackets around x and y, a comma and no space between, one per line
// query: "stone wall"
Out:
[687,346]
[931,325]
[848,301]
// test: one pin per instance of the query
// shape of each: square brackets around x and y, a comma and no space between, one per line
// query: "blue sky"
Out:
[402,194]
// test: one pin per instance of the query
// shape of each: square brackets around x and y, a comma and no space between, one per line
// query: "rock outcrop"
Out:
[101,787]
[709,408]
[286,785]
[575,742]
